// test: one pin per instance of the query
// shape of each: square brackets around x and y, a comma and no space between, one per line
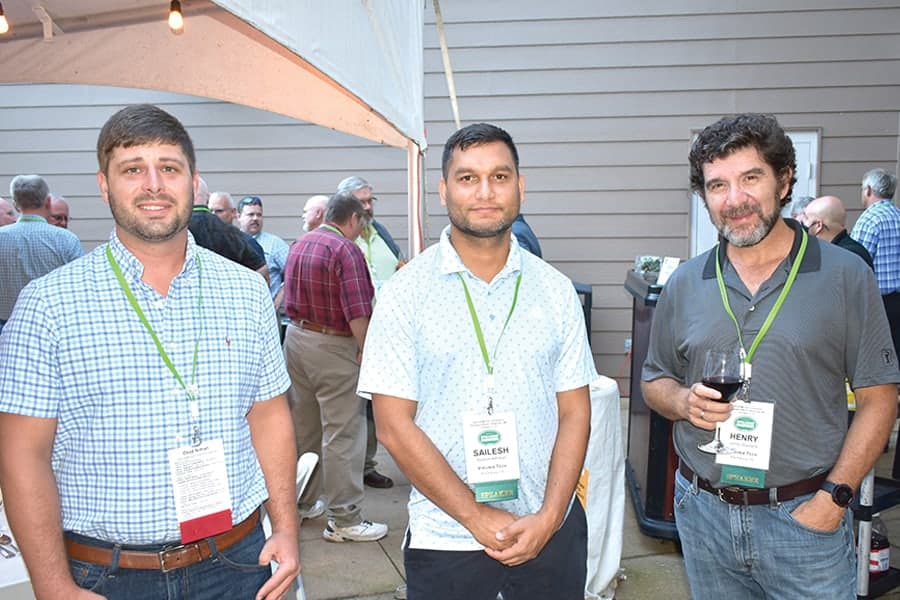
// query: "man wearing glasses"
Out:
[250,217]
[826,218]
[383,256]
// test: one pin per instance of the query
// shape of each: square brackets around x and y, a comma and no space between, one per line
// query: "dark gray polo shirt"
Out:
[832,325]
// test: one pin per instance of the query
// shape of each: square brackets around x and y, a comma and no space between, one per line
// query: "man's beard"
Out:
[465,227]
[152,230]
[759,232]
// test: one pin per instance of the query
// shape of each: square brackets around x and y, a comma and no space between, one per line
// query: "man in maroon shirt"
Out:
[328,297]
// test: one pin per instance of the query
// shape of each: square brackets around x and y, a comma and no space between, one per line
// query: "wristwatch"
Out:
[841,493]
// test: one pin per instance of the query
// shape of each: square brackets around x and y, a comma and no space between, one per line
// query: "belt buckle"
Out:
[162,554]
[732,490]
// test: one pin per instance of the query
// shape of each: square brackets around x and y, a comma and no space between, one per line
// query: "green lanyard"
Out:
[333,228]
[190,390]
[488,360]
[368,240]
[747,356]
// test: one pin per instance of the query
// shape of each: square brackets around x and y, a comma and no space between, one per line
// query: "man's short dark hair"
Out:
[730,134]
[28,191]
[141,124]
[341,207]
[477,134]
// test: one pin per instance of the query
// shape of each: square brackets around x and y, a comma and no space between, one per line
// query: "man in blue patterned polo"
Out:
[147,431]
[31,247]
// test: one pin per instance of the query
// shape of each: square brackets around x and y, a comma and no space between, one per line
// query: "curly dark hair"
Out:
[729,134]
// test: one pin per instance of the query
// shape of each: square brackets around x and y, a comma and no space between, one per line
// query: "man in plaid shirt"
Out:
[328,297]
[878,229]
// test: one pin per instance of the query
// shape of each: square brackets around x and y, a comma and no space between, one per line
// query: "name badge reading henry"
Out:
[747,435]
[200,482]
[492,456]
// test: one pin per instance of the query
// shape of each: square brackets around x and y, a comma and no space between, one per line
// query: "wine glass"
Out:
[721,372]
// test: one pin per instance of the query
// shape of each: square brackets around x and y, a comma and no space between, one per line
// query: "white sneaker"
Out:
[313,512]
[365,531]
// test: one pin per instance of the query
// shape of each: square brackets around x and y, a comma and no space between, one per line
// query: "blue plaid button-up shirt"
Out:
[878,229]
[29,248]
[75,351]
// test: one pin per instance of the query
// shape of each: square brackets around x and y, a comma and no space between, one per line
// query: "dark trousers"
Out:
[892,308]
[557,573]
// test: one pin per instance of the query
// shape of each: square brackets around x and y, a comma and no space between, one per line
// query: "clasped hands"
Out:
[509,539]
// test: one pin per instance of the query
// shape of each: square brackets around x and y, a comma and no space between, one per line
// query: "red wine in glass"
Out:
[721,372]
[724,384]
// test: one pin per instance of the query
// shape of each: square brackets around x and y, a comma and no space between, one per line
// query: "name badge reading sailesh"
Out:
[492,456]
[200,482]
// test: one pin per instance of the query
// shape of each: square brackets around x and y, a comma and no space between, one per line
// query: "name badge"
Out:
[200,482]
[492,456]
[747,437]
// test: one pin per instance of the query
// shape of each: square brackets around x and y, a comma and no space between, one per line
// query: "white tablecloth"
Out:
[605,490]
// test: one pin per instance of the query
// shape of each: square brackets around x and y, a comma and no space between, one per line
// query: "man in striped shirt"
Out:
[878,229]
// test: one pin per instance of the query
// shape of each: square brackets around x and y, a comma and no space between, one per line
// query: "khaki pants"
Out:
[329,418]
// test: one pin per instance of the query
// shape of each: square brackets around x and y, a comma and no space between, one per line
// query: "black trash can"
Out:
[651,461]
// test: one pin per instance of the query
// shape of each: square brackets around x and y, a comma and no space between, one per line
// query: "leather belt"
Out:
[320,328]
[751,496]
[166,559]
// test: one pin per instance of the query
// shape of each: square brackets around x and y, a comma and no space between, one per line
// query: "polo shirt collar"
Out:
[452,263]
[812,259]
[31,218]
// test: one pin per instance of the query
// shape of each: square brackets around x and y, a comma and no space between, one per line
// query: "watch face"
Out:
[842,494]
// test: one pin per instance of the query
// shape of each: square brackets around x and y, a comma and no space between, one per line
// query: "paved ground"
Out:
[371,571]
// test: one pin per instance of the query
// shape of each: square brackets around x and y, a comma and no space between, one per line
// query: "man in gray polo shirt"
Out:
[770,519]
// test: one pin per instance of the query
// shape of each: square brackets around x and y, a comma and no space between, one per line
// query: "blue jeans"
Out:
[760,551]
[231,573]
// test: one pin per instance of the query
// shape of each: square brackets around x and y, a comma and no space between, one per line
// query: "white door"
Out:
[806,148]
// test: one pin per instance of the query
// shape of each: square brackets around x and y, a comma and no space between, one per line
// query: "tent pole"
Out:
[445,55]
[415,195]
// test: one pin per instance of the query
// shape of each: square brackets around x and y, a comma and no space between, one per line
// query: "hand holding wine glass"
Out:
[721,372]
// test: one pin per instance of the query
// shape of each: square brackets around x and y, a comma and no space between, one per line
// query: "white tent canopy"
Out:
[352,65]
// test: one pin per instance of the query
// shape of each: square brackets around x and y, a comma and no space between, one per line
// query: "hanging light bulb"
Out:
[176,19]
[4,24]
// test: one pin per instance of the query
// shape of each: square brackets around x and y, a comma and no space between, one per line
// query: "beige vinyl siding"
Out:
[601,97]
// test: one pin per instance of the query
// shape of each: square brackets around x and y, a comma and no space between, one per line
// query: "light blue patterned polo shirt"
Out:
[421,345]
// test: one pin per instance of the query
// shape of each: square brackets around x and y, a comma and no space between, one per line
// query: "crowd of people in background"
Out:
[337,334]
